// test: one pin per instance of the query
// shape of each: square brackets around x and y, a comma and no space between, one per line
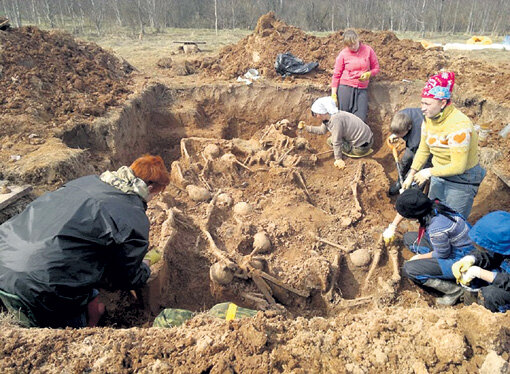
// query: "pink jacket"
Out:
[350,65]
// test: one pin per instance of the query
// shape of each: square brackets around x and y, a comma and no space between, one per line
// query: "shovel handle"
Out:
[393,149]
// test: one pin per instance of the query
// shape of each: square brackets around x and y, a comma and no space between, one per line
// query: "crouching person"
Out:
[54,254]
[349,134]
[491,237]
[442,240]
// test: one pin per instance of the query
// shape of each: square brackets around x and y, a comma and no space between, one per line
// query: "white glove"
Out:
[471,273]
[422,176]
[340,164]
[389,233]
[407,183]
[393,138]
[462,266]
[415,257]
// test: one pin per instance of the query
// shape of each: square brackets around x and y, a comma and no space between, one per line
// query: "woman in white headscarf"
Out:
[349,134]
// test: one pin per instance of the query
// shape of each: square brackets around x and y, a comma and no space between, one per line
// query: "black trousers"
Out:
[353,100]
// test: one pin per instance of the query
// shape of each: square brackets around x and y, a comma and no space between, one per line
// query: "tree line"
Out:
[106,16]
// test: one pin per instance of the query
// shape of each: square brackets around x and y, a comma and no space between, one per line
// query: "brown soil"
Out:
[399,59]
[50,82]
[356,323]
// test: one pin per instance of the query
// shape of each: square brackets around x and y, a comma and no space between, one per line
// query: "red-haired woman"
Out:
[54,255]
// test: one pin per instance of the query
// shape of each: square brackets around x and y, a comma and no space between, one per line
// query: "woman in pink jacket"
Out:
[354,66]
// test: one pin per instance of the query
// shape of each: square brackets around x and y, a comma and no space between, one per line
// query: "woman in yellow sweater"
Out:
[449,136]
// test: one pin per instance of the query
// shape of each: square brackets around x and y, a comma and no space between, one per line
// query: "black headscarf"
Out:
[413,203]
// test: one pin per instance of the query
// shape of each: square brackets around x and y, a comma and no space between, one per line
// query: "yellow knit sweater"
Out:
[452,141]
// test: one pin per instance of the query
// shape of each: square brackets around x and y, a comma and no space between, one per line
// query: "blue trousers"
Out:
[423,269]
[458,191]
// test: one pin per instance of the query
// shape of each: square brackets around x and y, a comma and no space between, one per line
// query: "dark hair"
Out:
[413,203]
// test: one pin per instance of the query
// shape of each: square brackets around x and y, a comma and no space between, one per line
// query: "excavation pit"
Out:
[298,198]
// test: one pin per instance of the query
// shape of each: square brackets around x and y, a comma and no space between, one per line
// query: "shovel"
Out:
[395,157]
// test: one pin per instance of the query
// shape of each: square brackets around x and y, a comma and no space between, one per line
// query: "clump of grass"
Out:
[8,319]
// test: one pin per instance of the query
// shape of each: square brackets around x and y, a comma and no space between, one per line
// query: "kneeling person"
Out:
[407,125]
[441,241]
[491,236]
[349,134]
[55,254]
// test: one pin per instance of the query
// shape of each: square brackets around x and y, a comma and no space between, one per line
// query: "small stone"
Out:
[360,257]
[197,193]
[494,364]
[261,242]
[224,200]
[212,151]
[243,208]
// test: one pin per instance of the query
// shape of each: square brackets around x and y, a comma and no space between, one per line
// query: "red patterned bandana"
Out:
[439,86]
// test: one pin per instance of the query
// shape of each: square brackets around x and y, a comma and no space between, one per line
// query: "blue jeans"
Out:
[458,191]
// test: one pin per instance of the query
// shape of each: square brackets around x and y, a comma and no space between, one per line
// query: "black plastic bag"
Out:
[287,64]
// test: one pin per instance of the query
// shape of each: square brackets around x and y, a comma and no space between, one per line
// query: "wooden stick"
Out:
[184,151]
[375,261]
[279,283]
[334,278]
[354,187]
[318,238]
[210,209]
[264,288]
[243,165]
[355,302]
[393,254]
[267,132]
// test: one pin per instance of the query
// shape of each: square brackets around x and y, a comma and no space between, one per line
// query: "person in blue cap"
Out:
[491,237]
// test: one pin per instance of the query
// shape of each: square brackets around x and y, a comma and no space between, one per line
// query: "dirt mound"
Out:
[50,82]
[399,59]
[380,341]
[52,77]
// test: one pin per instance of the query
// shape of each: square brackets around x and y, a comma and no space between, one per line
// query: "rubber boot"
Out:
[452,292]
[395,189]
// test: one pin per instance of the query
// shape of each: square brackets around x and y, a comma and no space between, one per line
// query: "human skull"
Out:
[220,273]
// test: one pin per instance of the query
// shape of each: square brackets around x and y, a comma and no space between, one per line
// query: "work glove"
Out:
[389,233]
[339,164]
[415,257]
[422,176]
[462,266]
[407,183]
[153,257]
[471,273]
[392,139]
[301,125]
[335,98]
[365,76]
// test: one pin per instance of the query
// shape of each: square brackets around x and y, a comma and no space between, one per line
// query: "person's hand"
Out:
[301,125]
[392,139]
[389,233]
[471,273]
[365,76]
[335,98]
[422,176]
[407,183]
[462,266]
[152,257]
[339,164]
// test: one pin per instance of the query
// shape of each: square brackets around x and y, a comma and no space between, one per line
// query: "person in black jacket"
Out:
[486,265]
[55,254]
[406,124]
